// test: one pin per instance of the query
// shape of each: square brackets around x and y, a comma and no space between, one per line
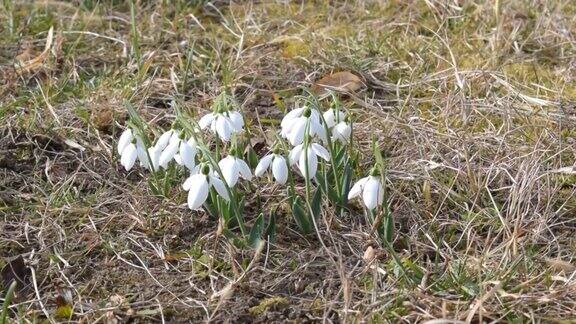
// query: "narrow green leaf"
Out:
[301,216]
[316,201]
[256,231]
[270,231]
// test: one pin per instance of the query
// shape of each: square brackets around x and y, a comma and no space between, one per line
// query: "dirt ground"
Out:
[474,104]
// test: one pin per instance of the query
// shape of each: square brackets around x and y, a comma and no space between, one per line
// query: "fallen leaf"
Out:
[340,81]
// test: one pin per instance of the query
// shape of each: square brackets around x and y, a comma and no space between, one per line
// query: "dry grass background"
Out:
[474,104]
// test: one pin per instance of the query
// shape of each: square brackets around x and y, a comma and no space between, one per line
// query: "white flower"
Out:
[124,140]
[371,189]
[224,124]
[341,132]
[147,155]
[308,160]
[130,152]
[127,149]
[187,153]
[232,168]
[128,156]
[279,167]
[295,123]
[198,186]
[333,117]
[170,150]
[164,140]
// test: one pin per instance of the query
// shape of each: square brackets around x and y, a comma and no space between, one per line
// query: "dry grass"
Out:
[475,106]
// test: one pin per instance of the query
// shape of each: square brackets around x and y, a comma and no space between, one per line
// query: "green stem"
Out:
[7,301]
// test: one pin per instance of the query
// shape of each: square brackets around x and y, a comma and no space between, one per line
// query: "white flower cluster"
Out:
[306,129]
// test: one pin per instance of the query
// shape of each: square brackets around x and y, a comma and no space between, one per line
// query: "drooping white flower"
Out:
[127,149]
[224,124]
[300,121]
[198,186]
[307,158]
[371,189]
[279,167]
[233,168]
[125,139]
[187,153]
[164,140]
[333,116]
[128,156]
[341,132]
[147,155]
[170,150]
[130,152]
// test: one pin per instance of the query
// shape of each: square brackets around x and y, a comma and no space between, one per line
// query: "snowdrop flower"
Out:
[187,153]
[127,149]
[169,149]
[297,121]
[279,167]
[341,132]
[333,117]
[225,124]
[198,186]
[371,189]
[165,139]
[307,158]
[232,168]
[147,155]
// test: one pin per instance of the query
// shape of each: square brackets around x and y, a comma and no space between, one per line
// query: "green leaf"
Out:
[301,216]
[7,301]
[316,201]
[345,185]
[252,157]
[388,223]
[270,231]
[256,231]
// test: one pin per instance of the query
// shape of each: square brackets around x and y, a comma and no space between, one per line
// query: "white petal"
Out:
[220,187]
[236,120]
[263,165]
[164,140]
[295,153]
[295,113]
[154,153]
[287,128]
[198,191]
[312,163]
[357,188]
[321,151]
[187,154]
[280,169]
[129,156]
[178,158]
[317,129]
[206,120]
[372,191]
[142,155]
[329,118]
[175,137]
[124,140]
[296,135]
[342,132]
[229,170]
[244,169]
[168,154]
[223,128]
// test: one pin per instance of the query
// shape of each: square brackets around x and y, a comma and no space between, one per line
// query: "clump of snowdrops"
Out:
[312,160]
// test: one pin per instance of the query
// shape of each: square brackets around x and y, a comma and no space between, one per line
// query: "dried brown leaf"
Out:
[340,81]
